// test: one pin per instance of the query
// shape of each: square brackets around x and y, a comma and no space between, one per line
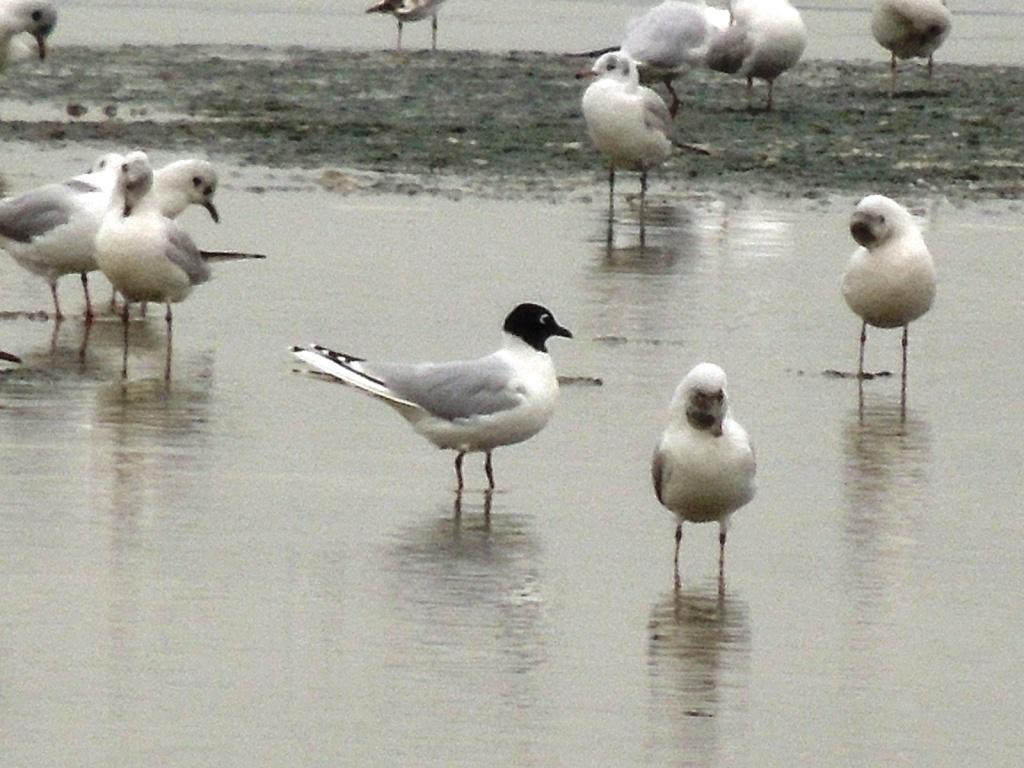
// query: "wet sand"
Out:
[385,122]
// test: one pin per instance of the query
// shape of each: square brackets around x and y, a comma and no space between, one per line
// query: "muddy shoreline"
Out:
[510,124]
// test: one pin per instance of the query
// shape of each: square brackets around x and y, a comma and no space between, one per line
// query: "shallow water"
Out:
[256,568]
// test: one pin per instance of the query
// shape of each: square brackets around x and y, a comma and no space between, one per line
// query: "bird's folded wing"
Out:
[456,390]
[35,213]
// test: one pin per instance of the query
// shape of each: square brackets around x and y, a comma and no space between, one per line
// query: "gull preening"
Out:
[466,406]
[410,10]
[670,39]
[34,17]
[144,254]
[51,230]
[766,38]
[890,280]
[910,29]
[628,123]
[703,468]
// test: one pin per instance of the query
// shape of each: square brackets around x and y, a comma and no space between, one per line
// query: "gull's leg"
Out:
[750,92]
[88,303]
[57,314]
[458,469]
[433,32]
[892,76]
[643,206]
[673,108]
[170,332]
[143,306]
[903,377]
[611,202]
[931,64]
[863,340]
[771,91]
[721,551]
[398,46]
[679,539]
[124,355]
[489,470]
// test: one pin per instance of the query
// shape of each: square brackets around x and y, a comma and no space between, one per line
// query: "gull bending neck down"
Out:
[145,255]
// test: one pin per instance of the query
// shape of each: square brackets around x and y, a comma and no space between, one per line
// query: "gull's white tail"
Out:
[349,370]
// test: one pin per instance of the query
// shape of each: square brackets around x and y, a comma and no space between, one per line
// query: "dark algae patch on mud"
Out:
[497,120]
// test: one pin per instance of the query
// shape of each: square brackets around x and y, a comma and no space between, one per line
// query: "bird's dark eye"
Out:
[102,165]
[37,15]
[124,167]
[196,181]
[881,219]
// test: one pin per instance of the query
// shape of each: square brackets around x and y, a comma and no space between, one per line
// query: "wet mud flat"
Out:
[511,124]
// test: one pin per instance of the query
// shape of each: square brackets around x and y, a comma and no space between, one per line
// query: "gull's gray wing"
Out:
[666,36]
[658,472]
[455,390]
[35,213]
[656,114]
[182,251]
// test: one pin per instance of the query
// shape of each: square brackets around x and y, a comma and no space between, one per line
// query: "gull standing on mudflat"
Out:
[910,29]
[628,123]
[766,38]
[890,280]
[410,10]
[670,39]
[145,255]
[466,406]
[703,468]
[34,17]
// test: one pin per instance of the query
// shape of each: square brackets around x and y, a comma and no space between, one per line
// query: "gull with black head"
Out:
[468,406]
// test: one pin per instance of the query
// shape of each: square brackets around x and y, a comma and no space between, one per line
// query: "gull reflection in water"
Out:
[699,663]
[471,603]
[888,455]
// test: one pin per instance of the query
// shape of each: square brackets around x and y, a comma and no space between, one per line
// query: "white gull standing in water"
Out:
[766,38]
[410,10]
[50,231]
[670,39]
[703,468]
[34,17]
[466,406]
[910,29]
[145,255]
[890,280]
[628,123]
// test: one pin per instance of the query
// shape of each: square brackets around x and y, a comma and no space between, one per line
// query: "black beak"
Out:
[41,43]
[9,357]
[560,331]
[208,205]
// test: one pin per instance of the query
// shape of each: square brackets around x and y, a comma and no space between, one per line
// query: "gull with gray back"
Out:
[466,406]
